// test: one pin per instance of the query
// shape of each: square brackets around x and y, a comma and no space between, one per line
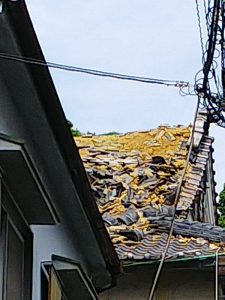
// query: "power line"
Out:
[200,28]
[158,272]
[205,86]
[212,43]
[206,16]
[28,60]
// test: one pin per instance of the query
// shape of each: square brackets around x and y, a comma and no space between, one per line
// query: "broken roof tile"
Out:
[134,178]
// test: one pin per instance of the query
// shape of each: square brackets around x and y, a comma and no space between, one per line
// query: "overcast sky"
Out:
[158,39]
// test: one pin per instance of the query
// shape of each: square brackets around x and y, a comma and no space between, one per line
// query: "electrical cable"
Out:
[213,101]
[222,41]
[206,17]
[159,269]
[212,43]
[200,28]
[28,60]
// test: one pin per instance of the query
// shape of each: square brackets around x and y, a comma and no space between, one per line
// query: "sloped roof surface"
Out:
[134,178]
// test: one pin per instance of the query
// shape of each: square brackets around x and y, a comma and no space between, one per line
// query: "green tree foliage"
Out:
[221,208]
[75,132]
[90,133]
[111,133]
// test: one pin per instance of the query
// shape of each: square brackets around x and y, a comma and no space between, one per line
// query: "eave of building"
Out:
[32,103]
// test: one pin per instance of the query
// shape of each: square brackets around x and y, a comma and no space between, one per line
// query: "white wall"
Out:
[179,284]
[48,240]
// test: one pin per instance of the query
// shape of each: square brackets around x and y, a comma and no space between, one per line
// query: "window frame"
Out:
[11,216]
[66,264]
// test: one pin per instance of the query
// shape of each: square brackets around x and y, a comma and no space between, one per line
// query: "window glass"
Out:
[2,250]
[55,292]
[14,268]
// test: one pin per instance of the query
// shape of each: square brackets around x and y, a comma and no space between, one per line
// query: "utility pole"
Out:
[223,51]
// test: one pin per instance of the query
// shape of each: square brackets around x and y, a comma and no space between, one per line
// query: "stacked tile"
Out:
[193,229]
[201,148]
[193,179]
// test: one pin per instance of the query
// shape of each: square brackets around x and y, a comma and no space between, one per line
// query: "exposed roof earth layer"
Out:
[134,179]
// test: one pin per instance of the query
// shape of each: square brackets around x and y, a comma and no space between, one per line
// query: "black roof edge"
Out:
[21,24]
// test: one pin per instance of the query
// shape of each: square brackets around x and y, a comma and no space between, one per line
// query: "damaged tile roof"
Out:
[134,179]
[152,246]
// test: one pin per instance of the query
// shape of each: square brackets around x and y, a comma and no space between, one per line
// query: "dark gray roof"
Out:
[152,247]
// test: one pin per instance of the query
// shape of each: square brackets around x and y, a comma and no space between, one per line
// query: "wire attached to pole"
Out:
[28,60]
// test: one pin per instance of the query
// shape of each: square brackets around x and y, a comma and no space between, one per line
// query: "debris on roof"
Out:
[136,168]
[134,179]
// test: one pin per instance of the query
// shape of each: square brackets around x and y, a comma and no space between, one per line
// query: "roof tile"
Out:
[134,178]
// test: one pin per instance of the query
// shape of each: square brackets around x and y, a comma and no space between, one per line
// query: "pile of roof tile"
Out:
[134,179]
[138,168]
